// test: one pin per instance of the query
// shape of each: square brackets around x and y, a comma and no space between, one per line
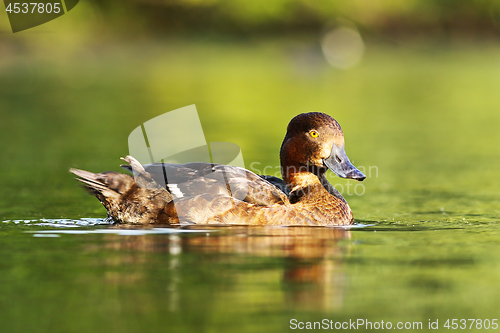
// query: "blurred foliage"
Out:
[95,22]
[276,16]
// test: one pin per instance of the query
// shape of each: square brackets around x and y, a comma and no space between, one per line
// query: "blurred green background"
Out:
[414,85]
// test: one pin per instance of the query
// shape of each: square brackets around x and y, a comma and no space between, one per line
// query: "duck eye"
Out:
[314,134]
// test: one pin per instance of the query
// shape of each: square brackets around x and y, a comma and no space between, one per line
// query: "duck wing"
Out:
[278,182]
[195,179]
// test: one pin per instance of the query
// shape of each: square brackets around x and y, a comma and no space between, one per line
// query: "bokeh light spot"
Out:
[343,47]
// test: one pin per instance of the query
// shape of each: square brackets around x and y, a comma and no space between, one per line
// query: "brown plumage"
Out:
[219,194]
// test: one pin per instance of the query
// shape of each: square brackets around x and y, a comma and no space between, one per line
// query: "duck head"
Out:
[314,142]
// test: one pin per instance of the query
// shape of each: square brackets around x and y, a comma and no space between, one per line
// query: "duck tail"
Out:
[136,200]
[105,186]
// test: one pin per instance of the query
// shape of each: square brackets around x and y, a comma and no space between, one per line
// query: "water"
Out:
[423,122]
[248,277]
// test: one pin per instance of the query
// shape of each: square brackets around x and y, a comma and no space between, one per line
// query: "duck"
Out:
[206,193]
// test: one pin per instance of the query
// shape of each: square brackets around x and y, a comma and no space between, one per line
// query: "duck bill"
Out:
[339,164]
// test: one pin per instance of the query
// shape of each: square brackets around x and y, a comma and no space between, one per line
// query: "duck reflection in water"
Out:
[309,276]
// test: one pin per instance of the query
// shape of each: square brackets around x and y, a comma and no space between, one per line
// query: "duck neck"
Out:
[301,180]
[294,172]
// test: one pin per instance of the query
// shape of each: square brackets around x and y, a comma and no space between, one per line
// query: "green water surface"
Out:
[421,121]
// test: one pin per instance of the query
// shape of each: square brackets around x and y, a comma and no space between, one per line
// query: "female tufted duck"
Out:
[204,193]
